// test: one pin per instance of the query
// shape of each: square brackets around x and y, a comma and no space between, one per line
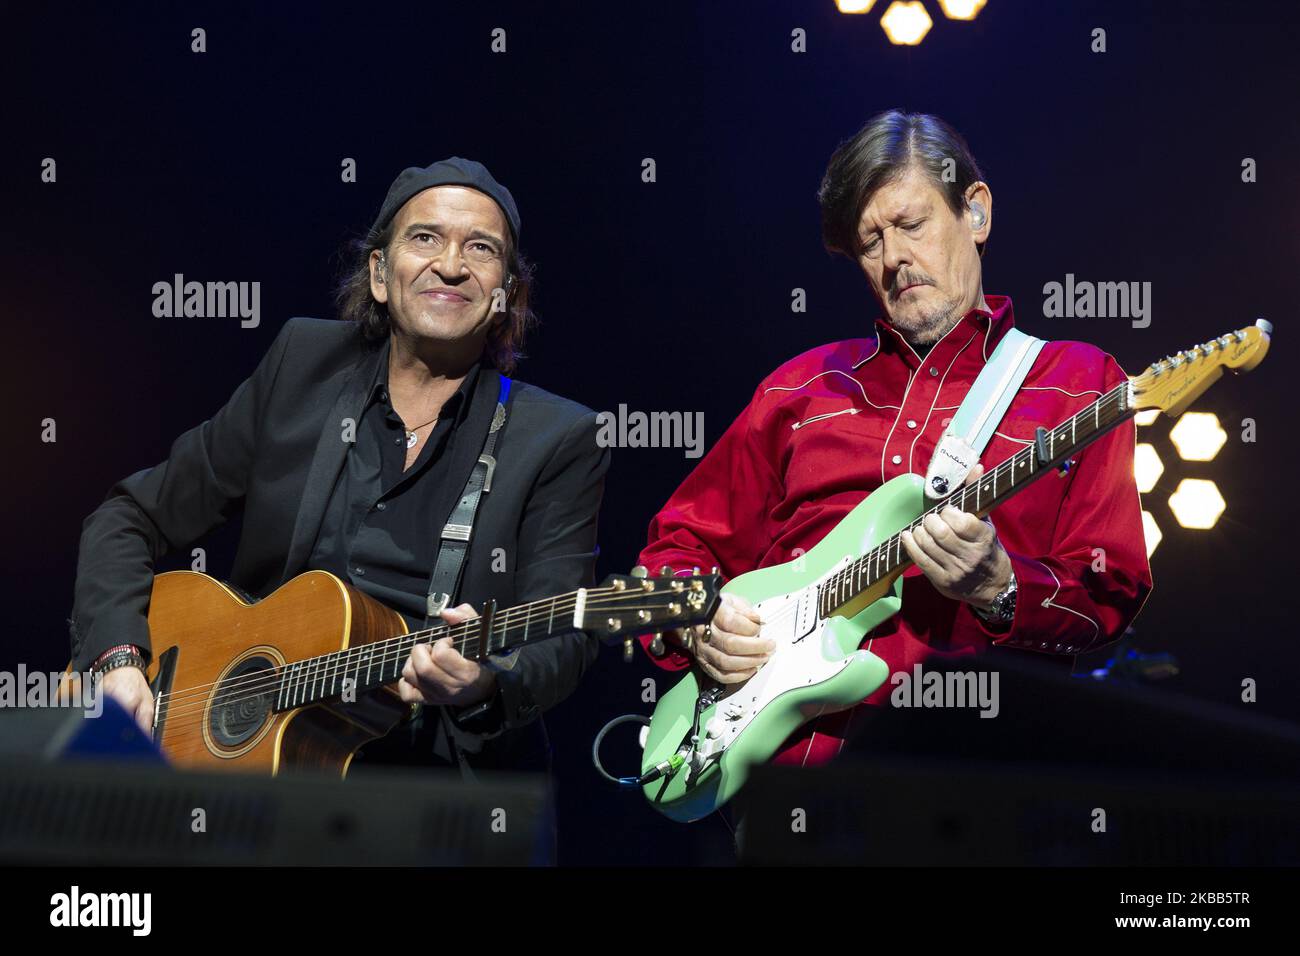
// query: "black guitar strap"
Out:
[450,564]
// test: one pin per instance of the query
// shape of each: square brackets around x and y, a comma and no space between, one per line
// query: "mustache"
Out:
[901,282]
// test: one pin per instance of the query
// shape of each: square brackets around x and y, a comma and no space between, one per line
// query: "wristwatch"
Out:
[1003,609]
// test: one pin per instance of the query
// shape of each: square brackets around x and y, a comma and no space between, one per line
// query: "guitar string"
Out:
[392,650]
[187,720]
[870,557]
[262,683]
[269,682]
[463,632]
[186,723]
[177,715]
[200,702]
[834,581]
[471,632]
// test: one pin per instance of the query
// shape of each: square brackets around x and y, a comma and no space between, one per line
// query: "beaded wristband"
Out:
[121,658]
[117,647]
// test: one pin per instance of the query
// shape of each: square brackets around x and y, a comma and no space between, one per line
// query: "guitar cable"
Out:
[661,769]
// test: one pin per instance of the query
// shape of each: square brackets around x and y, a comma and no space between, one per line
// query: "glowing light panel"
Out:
[1196,503]
[1198,436]
[906,24]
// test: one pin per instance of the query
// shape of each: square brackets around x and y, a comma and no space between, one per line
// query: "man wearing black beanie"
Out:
[353,448]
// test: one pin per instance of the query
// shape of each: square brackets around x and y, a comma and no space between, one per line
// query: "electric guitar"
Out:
[704,737]
[304,677]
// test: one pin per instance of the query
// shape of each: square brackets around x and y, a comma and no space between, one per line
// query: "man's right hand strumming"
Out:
[733,650]
[127,686]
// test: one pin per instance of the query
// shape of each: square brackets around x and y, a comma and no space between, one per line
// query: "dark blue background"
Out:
[1123,166]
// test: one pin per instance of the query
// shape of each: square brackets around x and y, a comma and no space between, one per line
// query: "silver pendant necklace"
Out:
[412,437]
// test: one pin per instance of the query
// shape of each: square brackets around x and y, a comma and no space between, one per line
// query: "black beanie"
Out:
[448,172]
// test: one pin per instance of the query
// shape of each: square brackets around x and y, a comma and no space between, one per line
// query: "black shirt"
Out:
[378,532]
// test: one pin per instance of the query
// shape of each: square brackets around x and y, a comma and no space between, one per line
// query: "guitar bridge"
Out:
[161,688]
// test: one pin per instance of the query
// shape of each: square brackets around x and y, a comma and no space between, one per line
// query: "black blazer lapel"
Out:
[327,460]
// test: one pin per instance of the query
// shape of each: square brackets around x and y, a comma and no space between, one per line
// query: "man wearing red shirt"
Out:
[1059,569]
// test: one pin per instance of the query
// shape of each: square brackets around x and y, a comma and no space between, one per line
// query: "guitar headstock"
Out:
[1176,381]
[626,605]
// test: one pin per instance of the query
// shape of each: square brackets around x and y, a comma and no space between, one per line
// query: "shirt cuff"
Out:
[510,707]
[1030,630]
[111,627]
[484,718]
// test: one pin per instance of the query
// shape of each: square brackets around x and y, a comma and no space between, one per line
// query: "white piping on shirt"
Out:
[1047,602]
[1053,388]
[920,363]
[871,356]
[808,752]
[911,378]
[816,418]
[833,371]
[844,734]
[911,449]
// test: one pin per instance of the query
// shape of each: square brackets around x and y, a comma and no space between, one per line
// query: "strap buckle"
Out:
[486,459]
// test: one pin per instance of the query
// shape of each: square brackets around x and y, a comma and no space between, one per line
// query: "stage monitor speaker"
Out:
[95,790]
[101,813]
[1069,771]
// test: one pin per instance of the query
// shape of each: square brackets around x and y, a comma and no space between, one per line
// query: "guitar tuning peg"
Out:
[696,570]
[640,571]
[715,570]
[657,644]
[666,571]
[627,650]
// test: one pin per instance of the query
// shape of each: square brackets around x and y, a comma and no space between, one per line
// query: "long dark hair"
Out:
[878,154]
[505,341]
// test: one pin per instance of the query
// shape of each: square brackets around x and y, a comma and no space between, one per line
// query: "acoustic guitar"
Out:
[307,675]
[705,737]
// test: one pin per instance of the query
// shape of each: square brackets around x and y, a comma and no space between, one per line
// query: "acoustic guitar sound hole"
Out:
[243,702]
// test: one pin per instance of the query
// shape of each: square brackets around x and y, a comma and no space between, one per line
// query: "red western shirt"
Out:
[832,425]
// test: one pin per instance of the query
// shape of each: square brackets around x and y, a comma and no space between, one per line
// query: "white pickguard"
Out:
[800,660]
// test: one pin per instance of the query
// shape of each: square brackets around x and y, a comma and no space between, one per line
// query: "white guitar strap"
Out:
[981,410]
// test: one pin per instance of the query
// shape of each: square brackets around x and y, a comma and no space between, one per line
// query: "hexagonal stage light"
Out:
[854,6]
[1196,503]
[1147,467]
[962,9]
[906,24]
[1198,436]
[1151,531]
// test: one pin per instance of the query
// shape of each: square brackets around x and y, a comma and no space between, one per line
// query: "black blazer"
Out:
[273,452]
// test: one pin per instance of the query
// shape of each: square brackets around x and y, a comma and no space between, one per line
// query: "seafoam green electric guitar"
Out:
[705,737]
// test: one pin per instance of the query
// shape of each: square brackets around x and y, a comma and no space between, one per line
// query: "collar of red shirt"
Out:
[992,325]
